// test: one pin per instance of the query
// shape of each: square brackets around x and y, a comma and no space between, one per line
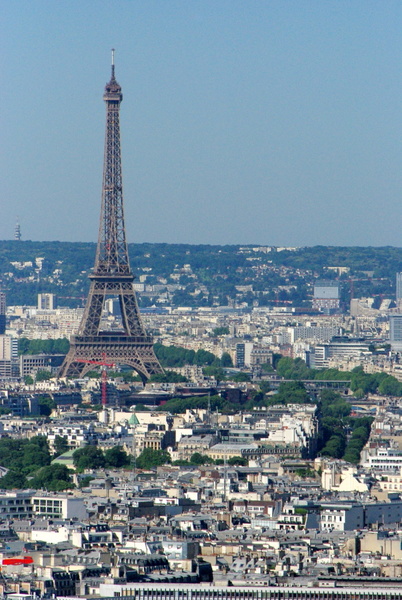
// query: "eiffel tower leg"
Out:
[129,312]
[137,353]
[70,367]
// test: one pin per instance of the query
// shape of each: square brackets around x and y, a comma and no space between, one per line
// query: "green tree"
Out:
[333,405]
[291,392]
[46,405]
[85,481]
[241,377]
[290,368]
[265,387]
[150,458]
[199,459]
[24,456]
[13,480]
[390,386]
[352,455]
[180,405]
[130,376]
[238,460]
[58,346]
[226,360]
[34,457]
[335,447]
[60,445]
[23,345]
[203,357]
[215,372]
[116,457]
[55,478]
[89,457]
[218,331]
[28,380]
[43,376]
[360,435]
[168,377]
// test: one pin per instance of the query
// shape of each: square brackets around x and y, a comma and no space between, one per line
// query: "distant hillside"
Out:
[183,274]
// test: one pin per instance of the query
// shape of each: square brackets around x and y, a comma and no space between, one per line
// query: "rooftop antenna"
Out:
[112,63]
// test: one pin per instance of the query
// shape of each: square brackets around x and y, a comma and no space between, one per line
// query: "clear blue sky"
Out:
[271,122]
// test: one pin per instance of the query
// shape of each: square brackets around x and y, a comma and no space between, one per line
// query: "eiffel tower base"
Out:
[135,352]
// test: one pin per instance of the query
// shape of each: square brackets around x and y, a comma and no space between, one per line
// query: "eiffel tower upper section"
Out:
[112,254]
[112,275]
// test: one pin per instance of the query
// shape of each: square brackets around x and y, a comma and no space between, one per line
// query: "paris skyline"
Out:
[273,123]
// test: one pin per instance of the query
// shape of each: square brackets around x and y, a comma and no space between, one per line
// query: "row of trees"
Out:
[180,405]
[174,356]
[340,435]
[361,383]
[57,346]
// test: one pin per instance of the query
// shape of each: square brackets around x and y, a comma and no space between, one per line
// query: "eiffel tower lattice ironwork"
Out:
[112,275]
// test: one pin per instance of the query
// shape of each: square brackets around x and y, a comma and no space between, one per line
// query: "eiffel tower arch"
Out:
[112,275]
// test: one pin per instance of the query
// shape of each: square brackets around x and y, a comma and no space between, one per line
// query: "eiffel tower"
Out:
[112,275]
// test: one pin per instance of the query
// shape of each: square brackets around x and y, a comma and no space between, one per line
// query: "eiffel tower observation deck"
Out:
[112,276]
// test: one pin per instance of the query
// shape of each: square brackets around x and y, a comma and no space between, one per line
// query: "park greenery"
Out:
[29,463]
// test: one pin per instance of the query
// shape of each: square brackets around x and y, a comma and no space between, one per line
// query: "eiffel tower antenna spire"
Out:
[112,63]
[112,275]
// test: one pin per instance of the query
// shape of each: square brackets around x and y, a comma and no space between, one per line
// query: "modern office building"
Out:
[326,296]
[8,356]
[30,364]
[243,354]
[395,332]
[46,301]
[323,353]
[2,313]
[398,291]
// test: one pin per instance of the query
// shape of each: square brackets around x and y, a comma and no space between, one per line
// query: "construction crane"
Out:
[104,364]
